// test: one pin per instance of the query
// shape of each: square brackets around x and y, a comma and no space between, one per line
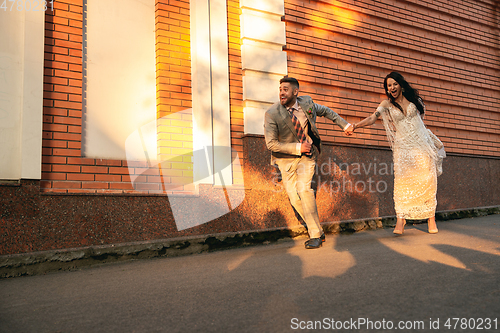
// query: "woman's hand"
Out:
[349,130]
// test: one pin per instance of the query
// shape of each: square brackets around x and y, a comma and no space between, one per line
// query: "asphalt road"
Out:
[365,282]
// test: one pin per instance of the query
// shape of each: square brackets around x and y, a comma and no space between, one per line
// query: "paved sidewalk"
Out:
[371,276]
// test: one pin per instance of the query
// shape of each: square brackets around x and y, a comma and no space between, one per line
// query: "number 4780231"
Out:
[27,5]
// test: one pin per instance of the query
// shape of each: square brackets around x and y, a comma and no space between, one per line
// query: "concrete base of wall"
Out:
[72,259]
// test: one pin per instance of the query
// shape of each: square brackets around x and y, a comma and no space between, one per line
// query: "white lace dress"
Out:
[417,162]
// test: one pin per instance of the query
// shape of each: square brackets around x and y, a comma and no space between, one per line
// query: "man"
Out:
[294,141]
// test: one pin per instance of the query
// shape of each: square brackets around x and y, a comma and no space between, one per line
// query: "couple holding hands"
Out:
[293,139]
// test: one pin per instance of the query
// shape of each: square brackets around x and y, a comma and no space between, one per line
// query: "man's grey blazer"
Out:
[281,136]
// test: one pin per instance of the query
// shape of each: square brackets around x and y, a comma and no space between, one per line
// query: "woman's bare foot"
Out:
[400,226]
[432,226]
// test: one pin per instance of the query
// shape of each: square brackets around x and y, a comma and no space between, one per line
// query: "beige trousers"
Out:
[297,175]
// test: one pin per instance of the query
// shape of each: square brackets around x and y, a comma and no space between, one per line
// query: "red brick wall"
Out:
[340,52]
[64,169]
[235,83]
[62,165]
[448,50]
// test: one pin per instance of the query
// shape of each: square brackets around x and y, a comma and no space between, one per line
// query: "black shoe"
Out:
[313,243]
[322,237]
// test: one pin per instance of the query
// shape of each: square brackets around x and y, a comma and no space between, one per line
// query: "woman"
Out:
[417,153]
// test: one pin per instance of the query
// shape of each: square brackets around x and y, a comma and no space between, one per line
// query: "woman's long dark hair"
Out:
[408,92]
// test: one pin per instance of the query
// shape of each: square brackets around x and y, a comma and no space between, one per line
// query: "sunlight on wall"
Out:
[335,16]
[348,18]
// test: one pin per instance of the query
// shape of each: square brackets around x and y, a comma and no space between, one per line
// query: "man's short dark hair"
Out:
[293,81]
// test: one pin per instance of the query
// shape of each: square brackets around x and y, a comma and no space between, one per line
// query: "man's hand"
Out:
[349,130]
[305,147]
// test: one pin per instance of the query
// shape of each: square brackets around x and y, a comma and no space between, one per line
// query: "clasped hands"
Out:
[349,130]
[306,147]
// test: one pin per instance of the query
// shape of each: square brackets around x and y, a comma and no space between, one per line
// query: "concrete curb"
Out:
[70,259]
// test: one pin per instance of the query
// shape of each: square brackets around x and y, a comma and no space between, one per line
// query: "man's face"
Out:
[288,94]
